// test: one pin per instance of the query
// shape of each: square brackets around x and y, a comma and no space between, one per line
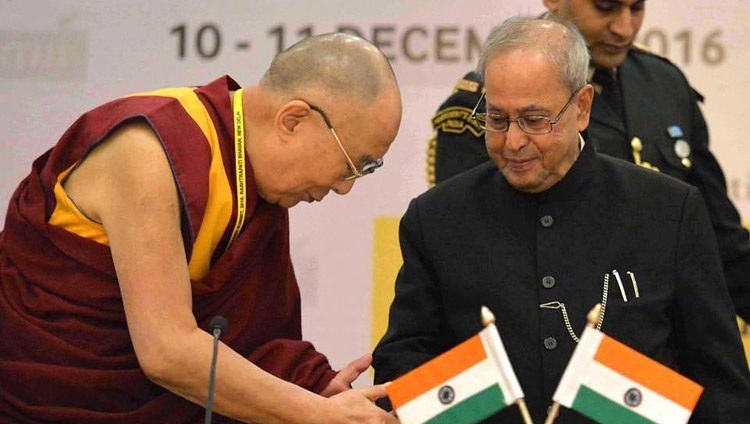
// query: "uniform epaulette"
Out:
[470,83]
[644,49]
[467,85]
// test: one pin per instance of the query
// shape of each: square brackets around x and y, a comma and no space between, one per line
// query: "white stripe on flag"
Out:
[613,386]
[468,383]
[577,367]
[507,380]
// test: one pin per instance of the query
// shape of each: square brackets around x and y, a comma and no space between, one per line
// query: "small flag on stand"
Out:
[462,386]
[611,383]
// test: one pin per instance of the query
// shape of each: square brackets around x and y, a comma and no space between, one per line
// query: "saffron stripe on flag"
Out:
[473,409]
[613,386]
[468,383]
[603,410]
[436,371]
[649,373]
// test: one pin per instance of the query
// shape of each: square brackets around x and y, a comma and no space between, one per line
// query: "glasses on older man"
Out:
[530,124]
[367,168]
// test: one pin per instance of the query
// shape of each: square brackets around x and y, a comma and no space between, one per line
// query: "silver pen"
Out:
[635,285]
[619,283]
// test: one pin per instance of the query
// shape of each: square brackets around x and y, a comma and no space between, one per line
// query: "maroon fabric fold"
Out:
[65,351]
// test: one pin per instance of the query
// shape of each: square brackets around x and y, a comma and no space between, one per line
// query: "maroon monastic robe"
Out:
[65,350]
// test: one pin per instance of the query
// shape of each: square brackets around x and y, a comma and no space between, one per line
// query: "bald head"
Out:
[336,64]
[558,40]
[325,112]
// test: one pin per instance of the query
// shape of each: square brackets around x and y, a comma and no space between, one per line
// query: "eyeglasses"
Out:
[367,168]
[531,124]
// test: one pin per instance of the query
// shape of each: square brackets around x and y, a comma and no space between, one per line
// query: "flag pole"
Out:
[524,411]
[592,319]
[488,318]
[552,414]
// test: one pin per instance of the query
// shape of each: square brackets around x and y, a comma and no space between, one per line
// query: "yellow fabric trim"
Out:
[745,333]
[68,217]
[431,153]
[219,207]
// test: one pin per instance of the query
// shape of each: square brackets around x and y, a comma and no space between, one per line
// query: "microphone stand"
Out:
[218,326]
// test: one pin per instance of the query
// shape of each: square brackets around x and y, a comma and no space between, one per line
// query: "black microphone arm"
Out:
[217,327]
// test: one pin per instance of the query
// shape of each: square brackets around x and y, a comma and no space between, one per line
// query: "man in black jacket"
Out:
[549,228]
[644,111]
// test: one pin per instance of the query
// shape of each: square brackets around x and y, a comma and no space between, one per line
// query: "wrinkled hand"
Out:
[357,406]
[344,379]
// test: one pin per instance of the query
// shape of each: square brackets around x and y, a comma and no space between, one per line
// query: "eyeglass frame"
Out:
[520,119]
[367,168]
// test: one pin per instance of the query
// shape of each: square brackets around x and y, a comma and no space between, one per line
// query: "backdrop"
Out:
[59,58]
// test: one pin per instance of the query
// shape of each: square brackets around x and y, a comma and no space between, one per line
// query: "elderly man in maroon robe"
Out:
[157,211]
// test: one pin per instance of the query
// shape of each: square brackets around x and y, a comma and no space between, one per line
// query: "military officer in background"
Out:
[644,111]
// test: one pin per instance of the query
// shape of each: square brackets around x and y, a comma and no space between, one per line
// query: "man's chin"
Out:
[608,60]
[287,203]
[518,182]
[526,183]
[525,187]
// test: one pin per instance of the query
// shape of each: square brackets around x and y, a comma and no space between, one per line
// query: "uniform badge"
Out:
[681,147]
[675,131]
[456,120]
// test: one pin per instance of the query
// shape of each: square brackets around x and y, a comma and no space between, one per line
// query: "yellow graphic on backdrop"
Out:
[386,263]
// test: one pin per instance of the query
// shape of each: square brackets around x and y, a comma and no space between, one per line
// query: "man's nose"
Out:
[622,24]
[515,137]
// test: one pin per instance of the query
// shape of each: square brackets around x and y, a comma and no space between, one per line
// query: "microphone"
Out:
[217,327]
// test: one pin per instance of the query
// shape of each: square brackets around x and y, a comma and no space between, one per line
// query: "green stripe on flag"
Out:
[474,409]
[603,410]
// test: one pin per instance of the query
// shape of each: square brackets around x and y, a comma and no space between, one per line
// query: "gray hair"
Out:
[339,64]
[568,53]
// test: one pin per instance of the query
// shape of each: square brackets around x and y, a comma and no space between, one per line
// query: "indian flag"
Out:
[612,383]
[462,386]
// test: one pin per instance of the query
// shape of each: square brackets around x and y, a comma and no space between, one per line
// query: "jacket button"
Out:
[548,282]
[546,221]
[550,343]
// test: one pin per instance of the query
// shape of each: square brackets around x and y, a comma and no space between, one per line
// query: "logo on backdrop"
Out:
[59,55]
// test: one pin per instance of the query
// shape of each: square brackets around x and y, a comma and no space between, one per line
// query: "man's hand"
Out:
[357,406]
[344,379]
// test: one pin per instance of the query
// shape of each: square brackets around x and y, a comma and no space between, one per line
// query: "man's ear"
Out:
[584,102]
[552,5]
[289,116]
